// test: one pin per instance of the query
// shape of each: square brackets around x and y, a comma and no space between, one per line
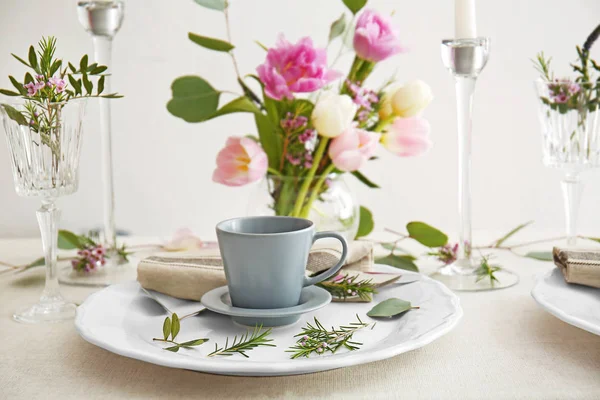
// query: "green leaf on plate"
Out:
[174,349]
[219,5]
[166,328]
[210,43]
[540,255]
[365,180]
[426,235]
[390,307]
[337,27]
[14,114]
[175,325]
[405,262]
[195,342]
[366,224]
[194,99]
[512,232]
[355,5]
[68,240]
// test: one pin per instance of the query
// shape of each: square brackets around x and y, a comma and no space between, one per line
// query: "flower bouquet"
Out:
[313,123]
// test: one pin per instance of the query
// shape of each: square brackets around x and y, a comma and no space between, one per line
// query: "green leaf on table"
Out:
[365,180]
[166,328]
[175,326]
[83,63]
[195,342]
[355,5]
[174,349]
[390,307]
[68,240]
[40,262]
[14,114]
[219,5]
[337,27]
[405,262]
[210,43]
[427,235]
[194,99]
[365,224]
[511,233]
[32,58]
[540,255]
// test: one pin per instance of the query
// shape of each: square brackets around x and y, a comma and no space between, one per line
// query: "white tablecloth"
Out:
[505,347]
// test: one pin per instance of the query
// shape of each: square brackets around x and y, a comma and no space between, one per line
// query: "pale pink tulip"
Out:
[183,239]
[295,68]
[375,38]
[407,137]
[242,161]
[352,149]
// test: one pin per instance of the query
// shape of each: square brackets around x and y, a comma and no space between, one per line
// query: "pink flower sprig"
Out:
[344,286]
[89,258]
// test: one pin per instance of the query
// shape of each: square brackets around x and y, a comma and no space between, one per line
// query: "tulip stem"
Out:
[382,123]
[309,177]
[316,190]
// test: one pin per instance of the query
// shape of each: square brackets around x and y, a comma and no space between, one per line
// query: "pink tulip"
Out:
[375,39]
[407,137]
[352,149]
[183,239]
[242,161]
[294,68]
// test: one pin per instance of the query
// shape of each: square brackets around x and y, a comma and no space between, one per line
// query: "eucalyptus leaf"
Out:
[390,307]
[166,328]
[366,224]
[540,255]
[405,262]
[240,105]
[365,180]
[355,5]
[511,233]
[174,349]
[194,99]
[195,342]
[175,326]
[337,27]
[219,5]
[426,234]
[68,240]
[210,43]
[14,114]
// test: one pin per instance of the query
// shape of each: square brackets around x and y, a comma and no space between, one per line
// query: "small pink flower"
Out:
[352,149]
[242,161]
[407,137]
[294,68]
[374,38]
[32,88]
[58,83]
[339,277]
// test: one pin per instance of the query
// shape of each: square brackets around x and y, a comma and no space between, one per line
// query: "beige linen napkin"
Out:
[579,266]
[189,275]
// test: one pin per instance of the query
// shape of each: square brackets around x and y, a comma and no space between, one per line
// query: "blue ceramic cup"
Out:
[265,259]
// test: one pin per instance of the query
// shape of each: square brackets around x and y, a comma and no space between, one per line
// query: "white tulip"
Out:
[410,99]
[385,105]
[333,114]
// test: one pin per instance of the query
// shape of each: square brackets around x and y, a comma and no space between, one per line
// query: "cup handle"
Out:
[331,271]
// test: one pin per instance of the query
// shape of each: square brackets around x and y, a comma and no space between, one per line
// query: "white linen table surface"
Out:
[504,347]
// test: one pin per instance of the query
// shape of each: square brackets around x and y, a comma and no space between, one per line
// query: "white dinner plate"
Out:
[574,304]
[123,320]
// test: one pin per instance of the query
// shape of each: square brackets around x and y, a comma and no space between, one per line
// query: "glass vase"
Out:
[44,156]
[568,114]
[331,206]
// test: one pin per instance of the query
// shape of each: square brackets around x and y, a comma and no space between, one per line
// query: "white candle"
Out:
[464,19]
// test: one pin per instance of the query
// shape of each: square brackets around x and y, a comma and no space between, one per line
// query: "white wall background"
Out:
[164,165]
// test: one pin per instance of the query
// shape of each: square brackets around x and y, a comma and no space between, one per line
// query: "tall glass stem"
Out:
[102,52]
[465,87]
[571,188]
[48,216]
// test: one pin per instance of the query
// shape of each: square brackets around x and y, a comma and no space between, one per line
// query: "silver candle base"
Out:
[465,59]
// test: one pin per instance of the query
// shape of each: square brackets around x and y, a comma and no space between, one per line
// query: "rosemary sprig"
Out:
[344,286]
[317,339]
[244,343]
[486,270]
[171,328]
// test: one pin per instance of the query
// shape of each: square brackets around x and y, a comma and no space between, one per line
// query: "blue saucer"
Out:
[312,298]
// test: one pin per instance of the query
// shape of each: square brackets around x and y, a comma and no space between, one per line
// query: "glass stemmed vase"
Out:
[568,114]
[45,164]
[465,59]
